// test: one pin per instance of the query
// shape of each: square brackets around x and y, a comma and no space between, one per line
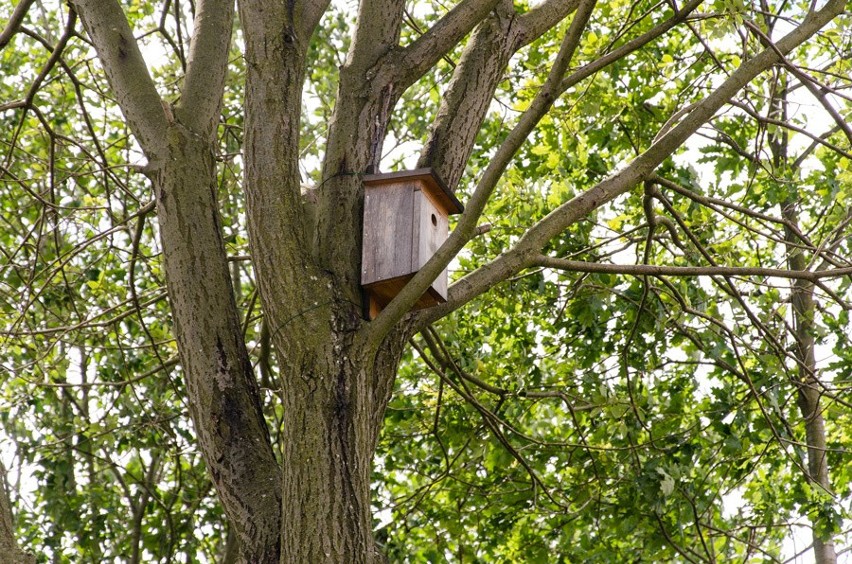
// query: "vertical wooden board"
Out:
[431,227]
[386,244]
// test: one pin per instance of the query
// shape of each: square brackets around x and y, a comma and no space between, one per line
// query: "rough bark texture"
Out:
[330,440]
[180,144]
[9,548]
[475,79]
[223,393]
[326,394]
[469,93]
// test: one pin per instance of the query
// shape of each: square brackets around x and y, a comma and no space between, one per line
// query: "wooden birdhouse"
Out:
[405,221]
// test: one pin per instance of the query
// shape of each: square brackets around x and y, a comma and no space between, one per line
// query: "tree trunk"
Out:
[331,424]
[802,299]
[8,545]
[808,383]
[223,395]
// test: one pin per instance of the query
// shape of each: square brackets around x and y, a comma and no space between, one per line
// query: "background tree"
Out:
[646,354]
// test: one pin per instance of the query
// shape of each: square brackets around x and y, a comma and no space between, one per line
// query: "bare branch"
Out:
[55,56]
[540,105]
[127,72]
[207,66]
[655,270]
[15,21]
[819,139]
[631,46]
[466,101]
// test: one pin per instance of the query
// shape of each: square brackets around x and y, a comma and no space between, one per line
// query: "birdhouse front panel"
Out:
[388,233]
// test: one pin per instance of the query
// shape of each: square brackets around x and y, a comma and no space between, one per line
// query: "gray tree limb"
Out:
[127,72]
[413,61]
[466,100]
[542,18]
[223,395]
[524,252]
[663,270]
[207,66]
[475,79]
[15,22]
[277,36]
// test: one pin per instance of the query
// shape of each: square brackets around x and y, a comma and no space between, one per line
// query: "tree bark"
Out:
[475,79]
[8,545]
[180,144]
[804,308]
[224,400]
[332,419]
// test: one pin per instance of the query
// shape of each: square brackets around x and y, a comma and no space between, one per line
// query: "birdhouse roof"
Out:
[430,180]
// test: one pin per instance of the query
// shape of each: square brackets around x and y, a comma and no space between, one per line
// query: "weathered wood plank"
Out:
[388,231]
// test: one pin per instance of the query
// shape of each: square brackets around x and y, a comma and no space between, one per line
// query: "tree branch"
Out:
[276,37]
[127,72]
[631,46]
[655,270]
[716,203]
[207,66]
[413,61]
[466,100]
[523,254]
[819,139]
[15,21]
[537,109]
[306,15]
[482,67]
[543,17]
[463,107]
[376,34]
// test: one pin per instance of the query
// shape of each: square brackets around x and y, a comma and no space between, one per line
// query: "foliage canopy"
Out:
[596,400]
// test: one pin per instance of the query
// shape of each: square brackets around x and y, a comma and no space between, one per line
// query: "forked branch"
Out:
[206,67]
[126,71]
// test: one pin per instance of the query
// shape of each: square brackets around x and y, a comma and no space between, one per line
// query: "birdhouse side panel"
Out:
[386,251]
[431,228]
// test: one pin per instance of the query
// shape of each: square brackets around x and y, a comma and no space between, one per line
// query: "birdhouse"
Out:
[405,221]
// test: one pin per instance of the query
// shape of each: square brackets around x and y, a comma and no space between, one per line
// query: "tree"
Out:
[586,404]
